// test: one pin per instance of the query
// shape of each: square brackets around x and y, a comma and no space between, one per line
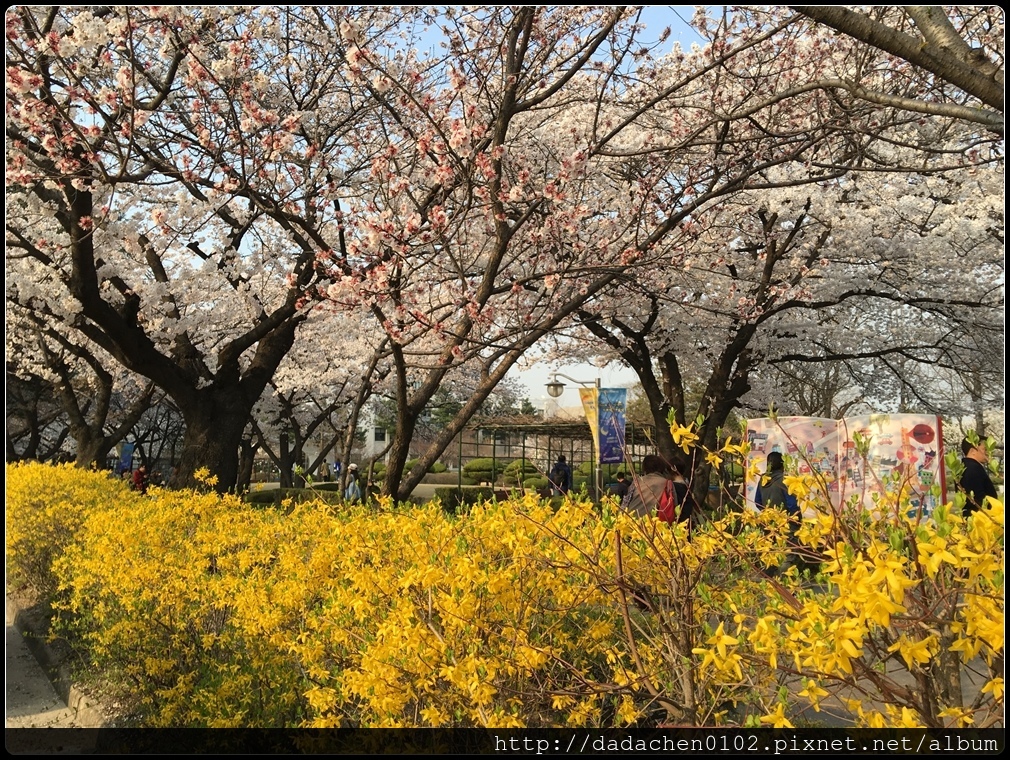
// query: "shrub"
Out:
[483,469]
[519,613]
[452,499]
[536,483]
[286,497]
[261,497]
[444,478]
[326,487]
[46,507]
[517,470]
[435,467]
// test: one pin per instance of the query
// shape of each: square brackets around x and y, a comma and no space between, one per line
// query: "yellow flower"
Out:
[961,717]
[913,652]
[994,687]
[814,693]
[933,553]
[685,437]
[799,486]
[903,718]
[777,718]
[736,449]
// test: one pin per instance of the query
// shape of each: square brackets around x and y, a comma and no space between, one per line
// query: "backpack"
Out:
[559,476]
[666,507]
[353,490]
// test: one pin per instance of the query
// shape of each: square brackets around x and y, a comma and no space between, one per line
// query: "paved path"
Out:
[32,702]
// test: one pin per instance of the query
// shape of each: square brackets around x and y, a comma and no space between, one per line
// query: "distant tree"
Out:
[101,402]
[36,426]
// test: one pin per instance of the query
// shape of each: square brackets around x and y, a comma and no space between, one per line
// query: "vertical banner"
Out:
[126,457]
[613,405]
[590,403]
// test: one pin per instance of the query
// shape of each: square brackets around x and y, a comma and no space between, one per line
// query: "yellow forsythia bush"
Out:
[46,505]
[213,613]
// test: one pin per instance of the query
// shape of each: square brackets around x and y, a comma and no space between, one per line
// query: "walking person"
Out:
[352,493]
[561,477]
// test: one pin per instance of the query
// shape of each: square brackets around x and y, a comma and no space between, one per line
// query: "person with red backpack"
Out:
[660,490]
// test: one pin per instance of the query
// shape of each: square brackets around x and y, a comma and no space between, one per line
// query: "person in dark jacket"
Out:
[620,488]
[975,481]
[772,492]
[561,477]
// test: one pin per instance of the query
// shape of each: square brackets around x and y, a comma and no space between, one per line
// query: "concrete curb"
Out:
[87,713]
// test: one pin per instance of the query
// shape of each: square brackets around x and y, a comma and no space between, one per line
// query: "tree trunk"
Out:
[91,450]
[399,451]
[286,462]
[245,468]
[215,424]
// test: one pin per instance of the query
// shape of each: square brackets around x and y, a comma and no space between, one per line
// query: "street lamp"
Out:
[554,389]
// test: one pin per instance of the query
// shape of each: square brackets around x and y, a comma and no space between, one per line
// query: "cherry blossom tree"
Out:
[895,272]
[165,167]
[544,159]
[962,47]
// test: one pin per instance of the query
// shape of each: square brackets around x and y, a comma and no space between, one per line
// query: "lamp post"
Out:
[554,389]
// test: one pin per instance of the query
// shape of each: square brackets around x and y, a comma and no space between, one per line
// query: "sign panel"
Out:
[613,405]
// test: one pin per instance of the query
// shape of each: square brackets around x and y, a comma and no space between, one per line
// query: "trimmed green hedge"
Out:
[326,486]
[518,471]
[452,499]
[483,469]
[446,479]
[437,467]
[276,496]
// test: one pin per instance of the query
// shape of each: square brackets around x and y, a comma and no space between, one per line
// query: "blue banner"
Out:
[126,457]
[613,405]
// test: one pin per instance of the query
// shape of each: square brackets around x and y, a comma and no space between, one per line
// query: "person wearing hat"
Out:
[353,491]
